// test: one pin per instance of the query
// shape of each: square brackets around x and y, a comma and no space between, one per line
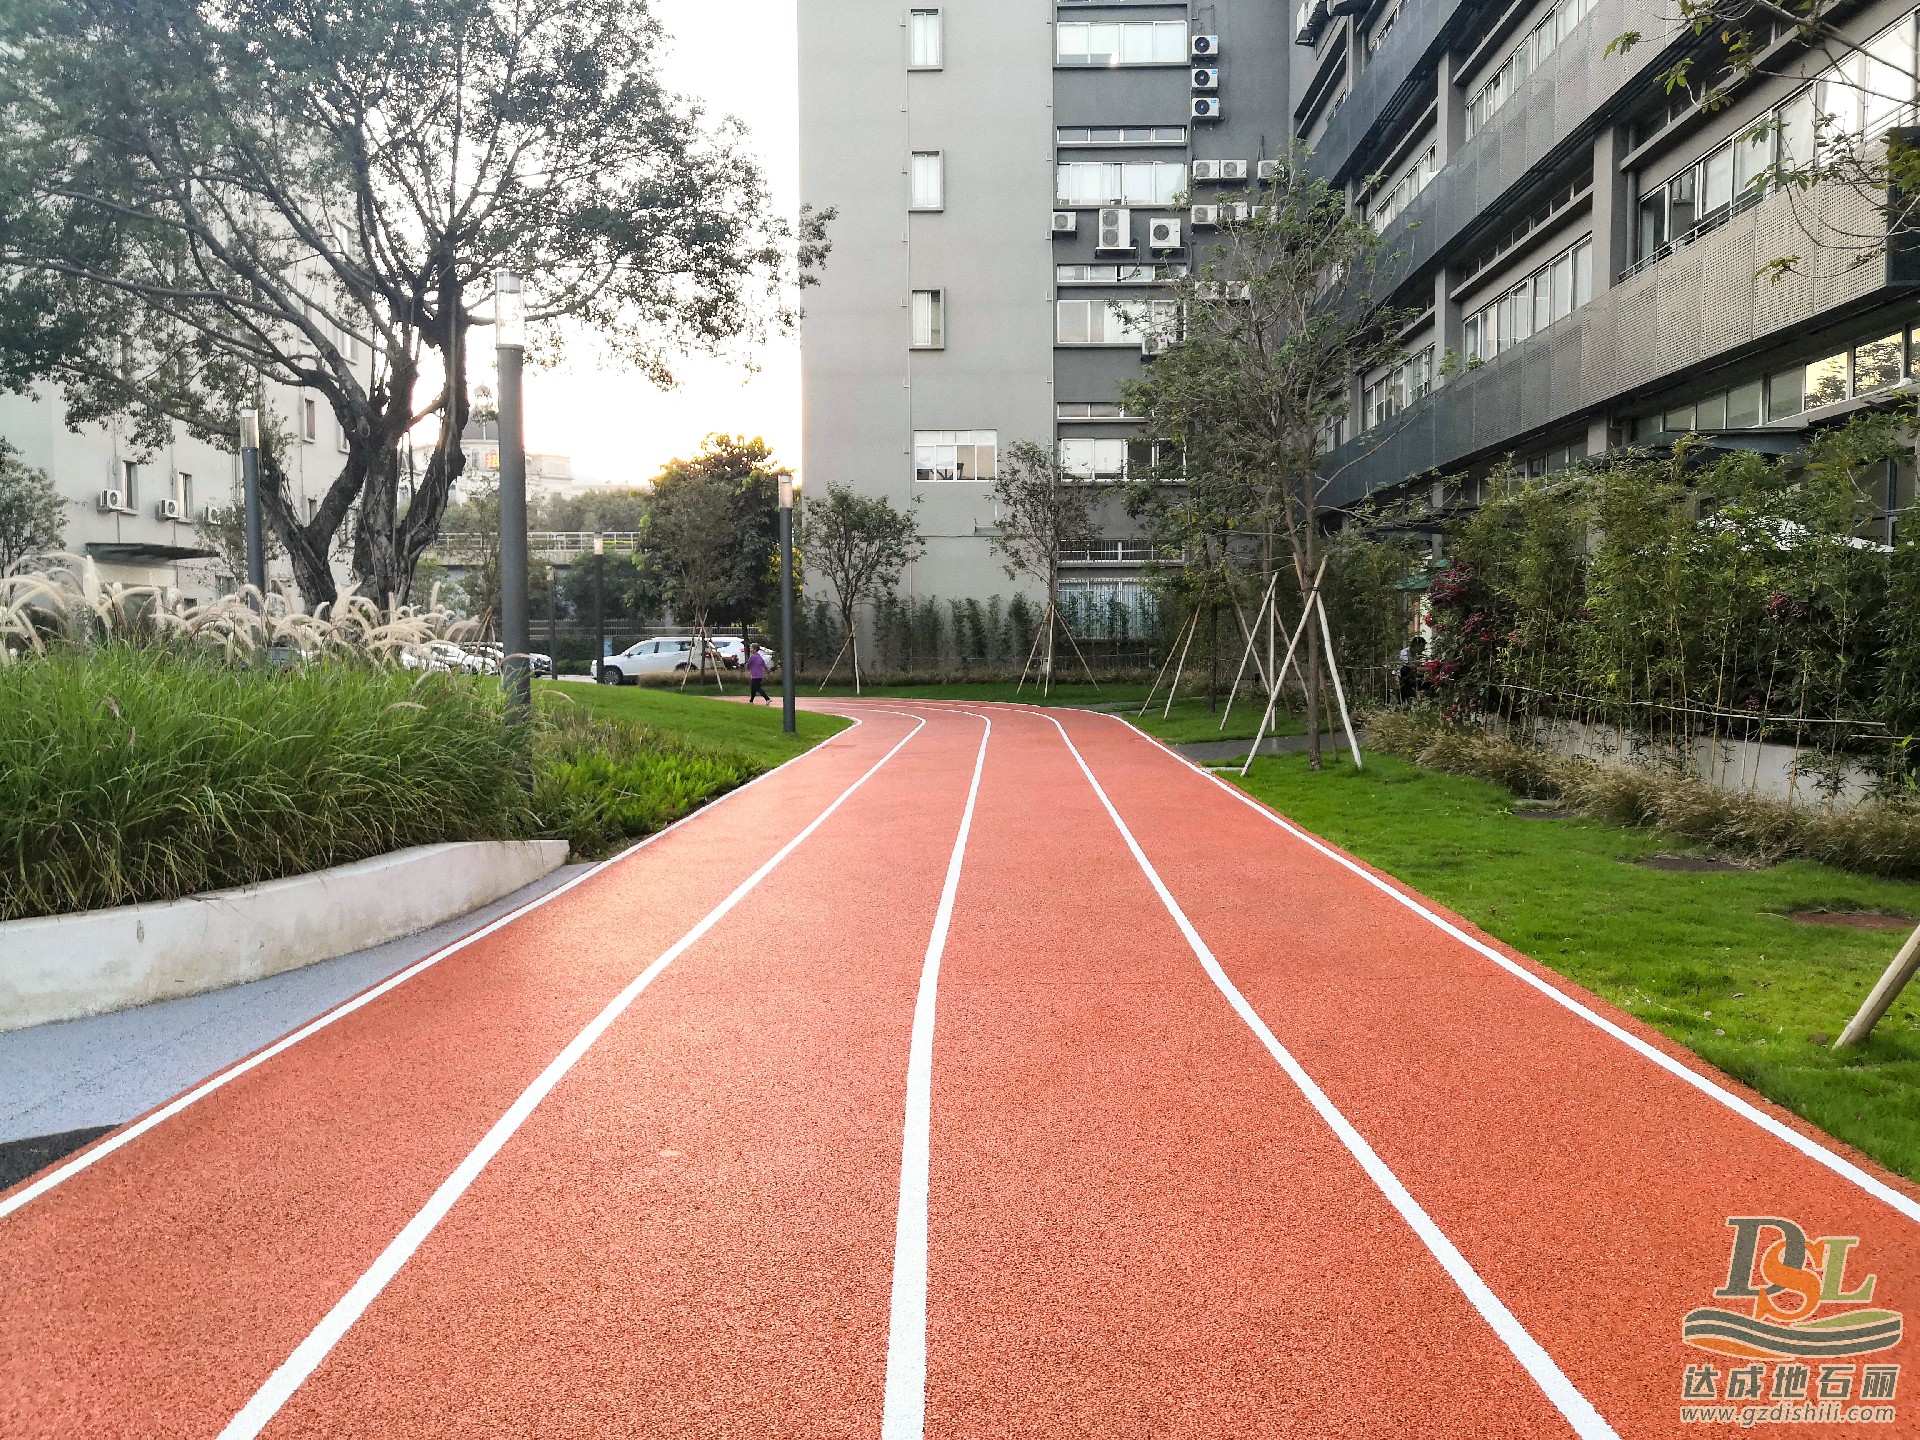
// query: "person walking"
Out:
[757,673]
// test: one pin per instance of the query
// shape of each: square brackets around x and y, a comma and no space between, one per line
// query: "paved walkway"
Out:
[953,1081]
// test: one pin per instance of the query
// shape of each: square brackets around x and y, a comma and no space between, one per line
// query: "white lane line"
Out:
[1566,1397]
[366,997]
[306,1357]
[1812,1149]
[905,1412]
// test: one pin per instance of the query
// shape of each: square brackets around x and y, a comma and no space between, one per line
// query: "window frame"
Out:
[937,320]
[939,169]
[937,26]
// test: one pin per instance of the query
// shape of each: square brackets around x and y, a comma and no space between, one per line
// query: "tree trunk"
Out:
[1313,652]
[1213,656]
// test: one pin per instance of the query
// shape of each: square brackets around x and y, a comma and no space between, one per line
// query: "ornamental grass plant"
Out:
[138,773]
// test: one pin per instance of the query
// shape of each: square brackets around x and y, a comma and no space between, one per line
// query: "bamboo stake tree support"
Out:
[1180,641]
[1252,652]
[845,646]
[1881,999]
[1048,621]
[1193,629]
[1293,644]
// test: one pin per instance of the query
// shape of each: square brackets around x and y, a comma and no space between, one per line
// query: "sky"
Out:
[738,60]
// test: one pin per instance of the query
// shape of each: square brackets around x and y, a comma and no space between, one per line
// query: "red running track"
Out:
[944,1083]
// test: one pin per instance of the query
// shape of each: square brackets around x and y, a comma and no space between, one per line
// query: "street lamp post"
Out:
[787,487]
[599,603]
[250,498]
[510,338]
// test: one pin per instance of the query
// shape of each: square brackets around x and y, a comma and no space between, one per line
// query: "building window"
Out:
[1120,134]
[1110,322]
[1534,47]
[1553,292]
[955,454]
[1117,274]
[1091,410]
[313,507]
[929,180]
[1157,42]
[923,40]
[1108,609]
[929,320]
[309,420]
[1393,392]
[183,492]
[1130,182]
[130,484]
[1106,457]
[1393,200]
[1858,97]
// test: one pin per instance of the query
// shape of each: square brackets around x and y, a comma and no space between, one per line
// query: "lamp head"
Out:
[599,544]
[787,487]
[249,428]
[509,310]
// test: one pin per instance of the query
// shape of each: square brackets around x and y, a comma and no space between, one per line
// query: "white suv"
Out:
[649,657]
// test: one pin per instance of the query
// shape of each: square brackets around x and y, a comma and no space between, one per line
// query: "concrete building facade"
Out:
[974,296]
[1585,251]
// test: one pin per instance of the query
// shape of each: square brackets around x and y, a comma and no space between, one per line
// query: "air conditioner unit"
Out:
[1205,217]
[112,500]
[1233,170]
[1207,46]
[1163,234]
[1206,107]
[1153,344]
[209,514]
[1206,77]
[1267,170]
[168,509]
[1116,230]
[1241,290]
[1261,212]
[1233,214]
[1206,170]
[1066,222]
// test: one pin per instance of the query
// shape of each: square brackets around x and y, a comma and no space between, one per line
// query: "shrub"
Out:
[599,783]
[1881,838]
[133,774]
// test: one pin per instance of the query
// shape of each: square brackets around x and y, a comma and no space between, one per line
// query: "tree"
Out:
[1833,136]
[694,546]
[859,544]
[1277,319]
[598,511]
[746,470]
[32,514]
[199,200]
[1042,510]
[223,530]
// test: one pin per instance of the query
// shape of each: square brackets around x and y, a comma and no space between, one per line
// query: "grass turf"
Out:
[752,731]
[1709,959]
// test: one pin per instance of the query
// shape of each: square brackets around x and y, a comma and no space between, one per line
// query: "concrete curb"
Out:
[61,967]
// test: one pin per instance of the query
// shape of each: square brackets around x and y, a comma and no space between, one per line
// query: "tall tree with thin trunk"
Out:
[859,544]
[1281,314]
[200,200]
[1043,511]
[33,515]
[693,542]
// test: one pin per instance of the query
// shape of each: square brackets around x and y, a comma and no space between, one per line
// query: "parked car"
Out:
[733,650]
[491,655]
[651,657]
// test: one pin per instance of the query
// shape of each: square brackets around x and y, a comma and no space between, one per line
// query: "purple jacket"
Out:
[756,665]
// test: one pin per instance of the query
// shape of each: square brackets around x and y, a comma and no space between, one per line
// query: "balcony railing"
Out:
[1712,221]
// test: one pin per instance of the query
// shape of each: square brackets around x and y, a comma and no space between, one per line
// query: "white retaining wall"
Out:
[60,967]
[1769,772]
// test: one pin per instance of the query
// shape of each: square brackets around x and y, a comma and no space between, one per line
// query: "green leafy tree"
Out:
[196,199]
[1285,309]
[746,471]
[693,546]
[1042,511]
[859,544]
[33,517]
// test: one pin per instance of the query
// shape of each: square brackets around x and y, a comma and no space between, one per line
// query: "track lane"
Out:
[1588,1186]
[1138,1227]
[693,1233]
[151,1293]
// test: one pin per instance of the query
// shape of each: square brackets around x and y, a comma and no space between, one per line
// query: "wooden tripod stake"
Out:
[1884,994]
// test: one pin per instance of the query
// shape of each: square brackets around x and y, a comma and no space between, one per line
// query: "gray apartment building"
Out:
[1585,250]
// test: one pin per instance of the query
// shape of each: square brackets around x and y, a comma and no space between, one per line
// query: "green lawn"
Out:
[1709,959]
[1192,721]
[753,731]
